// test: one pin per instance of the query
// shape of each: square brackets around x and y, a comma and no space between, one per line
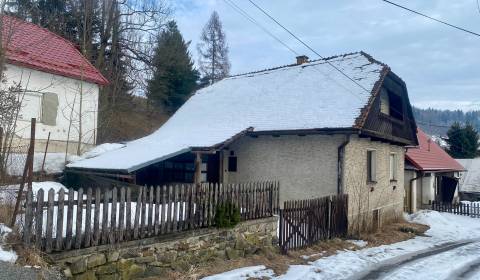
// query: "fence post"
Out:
[27,231]
[329,217]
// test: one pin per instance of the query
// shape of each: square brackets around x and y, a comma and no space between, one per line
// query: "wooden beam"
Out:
[198,168]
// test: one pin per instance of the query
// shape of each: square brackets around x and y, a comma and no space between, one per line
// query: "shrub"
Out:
[227,215]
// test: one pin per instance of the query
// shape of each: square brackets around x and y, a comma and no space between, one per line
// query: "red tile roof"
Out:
[429,156]
[34,47]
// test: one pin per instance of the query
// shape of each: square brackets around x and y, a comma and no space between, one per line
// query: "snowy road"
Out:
[453,261]
[451,250]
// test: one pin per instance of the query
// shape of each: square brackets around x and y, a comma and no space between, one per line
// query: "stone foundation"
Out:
[179,252]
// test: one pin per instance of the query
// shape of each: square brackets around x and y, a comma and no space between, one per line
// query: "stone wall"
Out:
[384,197]
[179,252]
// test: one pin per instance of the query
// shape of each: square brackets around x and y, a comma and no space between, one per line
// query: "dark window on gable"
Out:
[232,164]
[396,105]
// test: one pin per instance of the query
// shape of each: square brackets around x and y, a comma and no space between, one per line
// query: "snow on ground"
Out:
[6,255]
[444,228]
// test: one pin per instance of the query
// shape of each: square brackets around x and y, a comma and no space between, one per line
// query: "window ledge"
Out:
[393,181]
[371,182]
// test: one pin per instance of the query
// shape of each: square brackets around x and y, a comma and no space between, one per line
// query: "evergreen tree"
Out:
[213,51]
[174,77]
[463,141]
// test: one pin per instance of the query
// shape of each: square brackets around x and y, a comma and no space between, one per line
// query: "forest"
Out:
[437,122]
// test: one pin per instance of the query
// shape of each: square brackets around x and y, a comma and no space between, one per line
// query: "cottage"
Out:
[430,174]
[59,84]
[315,130]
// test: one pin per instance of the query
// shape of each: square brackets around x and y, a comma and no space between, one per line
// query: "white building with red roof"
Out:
[431,174]
[61,86]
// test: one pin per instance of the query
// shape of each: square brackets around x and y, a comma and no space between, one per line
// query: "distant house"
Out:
[469,185]
[57,81]
[305,125]
[430,174]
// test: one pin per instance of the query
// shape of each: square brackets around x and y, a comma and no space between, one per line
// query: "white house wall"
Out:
[36,84]
[305,166]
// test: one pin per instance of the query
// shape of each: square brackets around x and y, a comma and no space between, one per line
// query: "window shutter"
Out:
[49,108]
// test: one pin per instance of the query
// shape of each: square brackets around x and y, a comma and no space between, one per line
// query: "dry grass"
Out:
[279,263]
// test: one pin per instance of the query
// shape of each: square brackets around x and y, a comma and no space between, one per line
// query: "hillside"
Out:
[437,122]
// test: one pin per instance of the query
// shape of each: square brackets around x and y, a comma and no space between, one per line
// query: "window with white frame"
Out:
[371,166]
[393,167]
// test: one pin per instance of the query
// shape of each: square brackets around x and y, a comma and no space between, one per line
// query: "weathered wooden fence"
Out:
[466,209]
[98,217]
[304,222]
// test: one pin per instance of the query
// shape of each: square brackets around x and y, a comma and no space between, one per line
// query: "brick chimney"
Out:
[302,59]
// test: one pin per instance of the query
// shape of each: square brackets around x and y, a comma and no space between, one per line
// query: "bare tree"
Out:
[213,51]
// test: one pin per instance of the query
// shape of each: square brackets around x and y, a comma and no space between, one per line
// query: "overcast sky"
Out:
[440,65]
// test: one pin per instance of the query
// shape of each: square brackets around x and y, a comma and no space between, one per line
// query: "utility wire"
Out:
[245,14]
[252,20]
[431,18]
[306,45]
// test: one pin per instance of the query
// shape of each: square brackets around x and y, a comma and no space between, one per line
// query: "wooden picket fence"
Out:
[103,216]
[304,222]
[472,210]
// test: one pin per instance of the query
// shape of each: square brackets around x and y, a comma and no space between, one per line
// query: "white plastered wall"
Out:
[35,84]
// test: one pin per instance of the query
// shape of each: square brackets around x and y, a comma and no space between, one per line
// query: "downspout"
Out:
[341,157]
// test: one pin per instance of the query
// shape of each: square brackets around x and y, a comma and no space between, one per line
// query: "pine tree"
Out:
[174,77]
[463,141]
[213,51]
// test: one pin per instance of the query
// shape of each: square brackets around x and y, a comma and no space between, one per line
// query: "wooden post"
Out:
[45,154]
[198,169]
[27,171]
[32,151]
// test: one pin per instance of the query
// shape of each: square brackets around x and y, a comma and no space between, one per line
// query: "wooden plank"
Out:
[105,229]
[157,211]
[27,232]
[128,215]
[169,208]
[138,208]
[39,220]
[163,216]
[144,212]
[60,210]
[175,208]
[96,219]
[112,235]
[88,218]
[121,215]
[181,211]
[68,240]
[150,211]
[78,223]
[186,222]
[49,230]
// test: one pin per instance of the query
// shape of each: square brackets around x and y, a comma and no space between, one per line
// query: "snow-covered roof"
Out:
[470,180]
[312,95]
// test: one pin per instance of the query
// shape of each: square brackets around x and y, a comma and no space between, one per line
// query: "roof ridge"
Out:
[369,57]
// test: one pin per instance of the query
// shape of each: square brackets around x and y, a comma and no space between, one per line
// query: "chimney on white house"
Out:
[302,59]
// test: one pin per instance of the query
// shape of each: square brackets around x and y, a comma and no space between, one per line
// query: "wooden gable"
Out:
[390,116]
